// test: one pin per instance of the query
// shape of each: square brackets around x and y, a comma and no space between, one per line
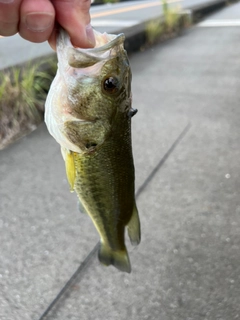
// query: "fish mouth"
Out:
[104,41]
[114,40]
[107,46]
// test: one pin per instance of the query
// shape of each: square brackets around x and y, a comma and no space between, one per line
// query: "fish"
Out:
[88,111]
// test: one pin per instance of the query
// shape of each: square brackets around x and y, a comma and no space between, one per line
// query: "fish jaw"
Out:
[107,46]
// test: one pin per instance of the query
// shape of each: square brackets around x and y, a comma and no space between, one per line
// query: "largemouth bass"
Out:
[88,112]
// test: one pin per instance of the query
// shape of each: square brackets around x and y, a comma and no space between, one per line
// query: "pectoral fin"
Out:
[134,231]
[132,112]
[70,169]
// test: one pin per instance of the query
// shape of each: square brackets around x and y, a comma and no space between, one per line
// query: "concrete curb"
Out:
[136,36]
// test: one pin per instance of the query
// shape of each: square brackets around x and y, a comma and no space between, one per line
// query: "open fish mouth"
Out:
[106,48]
[104,42]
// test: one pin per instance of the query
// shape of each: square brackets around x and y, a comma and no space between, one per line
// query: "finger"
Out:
[53,38]
[36,20]
[9,17]
[74,17]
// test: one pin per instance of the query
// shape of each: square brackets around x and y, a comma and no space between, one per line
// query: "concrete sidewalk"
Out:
[187,265]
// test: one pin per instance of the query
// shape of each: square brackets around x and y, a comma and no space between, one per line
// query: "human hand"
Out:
[35,20]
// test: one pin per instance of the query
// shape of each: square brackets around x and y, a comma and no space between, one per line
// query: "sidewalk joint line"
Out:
[64,291]
[163,160]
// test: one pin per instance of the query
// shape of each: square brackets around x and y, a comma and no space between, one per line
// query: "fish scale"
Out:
[114,157]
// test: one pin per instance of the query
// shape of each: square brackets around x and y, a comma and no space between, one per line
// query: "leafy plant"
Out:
[171,16]
[22,95]
[170,23]
[154,30]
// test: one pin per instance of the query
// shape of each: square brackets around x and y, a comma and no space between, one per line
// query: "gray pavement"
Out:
[187,266]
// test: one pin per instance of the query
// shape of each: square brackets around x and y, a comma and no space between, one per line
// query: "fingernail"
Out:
[39,22]
[90,34]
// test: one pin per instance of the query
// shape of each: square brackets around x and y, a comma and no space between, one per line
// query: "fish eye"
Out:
[110,85]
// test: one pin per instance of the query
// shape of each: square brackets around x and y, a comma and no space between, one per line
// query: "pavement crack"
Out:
[163,160]
[65,291]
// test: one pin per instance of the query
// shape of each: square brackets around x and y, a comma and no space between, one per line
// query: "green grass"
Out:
[170,24]
[154,31]
[111,1]
[22,96]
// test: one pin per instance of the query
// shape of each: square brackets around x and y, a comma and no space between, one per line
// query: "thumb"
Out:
[74,17]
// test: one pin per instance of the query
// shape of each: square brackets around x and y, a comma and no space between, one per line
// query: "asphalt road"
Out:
[186,148]
[125,17]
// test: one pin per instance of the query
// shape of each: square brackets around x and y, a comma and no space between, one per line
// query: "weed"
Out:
[154,30]
[170,24]
[111,1]
[22,95]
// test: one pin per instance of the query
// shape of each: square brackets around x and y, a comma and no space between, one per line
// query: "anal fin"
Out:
[134,230]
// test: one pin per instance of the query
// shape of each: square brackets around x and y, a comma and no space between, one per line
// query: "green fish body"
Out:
[88,111]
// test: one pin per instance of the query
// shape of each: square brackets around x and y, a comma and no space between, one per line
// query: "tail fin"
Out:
[118,259]
[134,231]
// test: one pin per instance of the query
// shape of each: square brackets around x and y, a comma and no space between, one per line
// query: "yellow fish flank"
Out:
[88,112]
